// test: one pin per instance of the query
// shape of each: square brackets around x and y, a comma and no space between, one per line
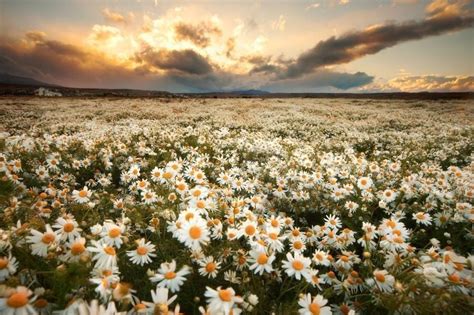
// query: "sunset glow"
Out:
[192,46]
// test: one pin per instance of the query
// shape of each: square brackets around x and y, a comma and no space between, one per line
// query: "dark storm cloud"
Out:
[186,61]
[61,63]
[321,79]
[199,34]
[59,48]
[265,69]
[216,81]
[442,18]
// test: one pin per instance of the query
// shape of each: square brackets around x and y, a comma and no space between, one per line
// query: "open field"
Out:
[316,206]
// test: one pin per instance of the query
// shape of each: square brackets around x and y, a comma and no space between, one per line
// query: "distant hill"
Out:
[235,93]
[250,92]
[390,95]
[6,78]
[13,85]
[9,89]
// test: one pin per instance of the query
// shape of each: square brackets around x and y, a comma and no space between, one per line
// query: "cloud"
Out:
[199,34]
[104,33]
[35,36]
[162,69]
[173,54]
[442,17]
[279,24]
[320,80]
[418,83]
[113,17]
[61,63]
[184,61]
[404,1]
[229,47]
[313,6]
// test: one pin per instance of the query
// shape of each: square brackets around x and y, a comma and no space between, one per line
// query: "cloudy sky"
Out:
[278,46]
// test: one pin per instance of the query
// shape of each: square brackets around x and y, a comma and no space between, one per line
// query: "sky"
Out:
[277,46]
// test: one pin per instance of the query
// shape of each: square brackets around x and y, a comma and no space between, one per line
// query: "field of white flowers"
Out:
[230,206]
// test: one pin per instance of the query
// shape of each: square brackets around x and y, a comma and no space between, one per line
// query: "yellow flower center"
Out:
[398,240]
[68,227]
[314,308]
[298,245]
[139,306]
[195,232]
[109,250]
[3,263]
[170,275]
[48,238]
[141,250]
[420,216]
[454,278]
[210,267]
[83,194]
[262,259]
[200,204]
[225,295]
[250,230]
[115,232]
[380,277]
[17,300]
[77,249]
[298,265]
[41,303]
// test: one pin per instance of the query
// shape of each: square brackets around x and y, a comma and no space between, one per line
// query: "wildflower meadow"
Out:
[236,206]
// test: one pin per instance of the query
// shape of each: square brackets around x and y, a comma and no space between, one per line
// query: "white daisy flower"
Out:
[105,255]
[41,242]
[67,229]
[364,183]
[81,196]
[8,266]
[261,262]
[76,250]
[209,267]
[194,233]
[167,277]
[112,234]
[221,301]
[161,302]
[313,306]
[17,302]
[422,218]
[143,254]
[296,265]
[382,280]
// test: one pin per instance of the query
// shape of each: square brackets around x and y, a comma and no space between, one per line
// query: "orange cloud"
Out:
[442,17]
[199,34]
[113,17]
[434,83]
